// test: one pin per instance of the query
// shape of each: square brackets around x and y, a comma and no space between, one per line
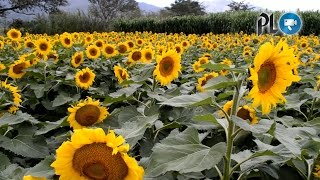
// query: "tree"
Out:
[109,9]
[27,6]
[239,6]
[185,7]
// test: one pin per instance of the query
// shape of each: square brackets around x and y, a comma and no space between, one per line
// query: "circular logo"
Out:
[290,23]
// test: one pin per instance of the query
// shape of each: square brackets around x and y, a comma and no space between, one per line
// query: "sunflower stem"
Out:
[311,109]
[227,165]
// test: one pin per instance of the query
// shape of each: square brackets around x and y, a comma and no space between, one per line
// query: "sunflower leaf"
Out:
[183,152]
[42,169]
[61,99]
[190,100]
[19,117]
[219,82]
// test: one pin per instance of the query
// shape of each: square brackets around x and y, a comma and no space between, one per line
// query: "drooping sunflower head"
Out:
[168,67]
[77,59]
[54,56]
[204,79]
[244,112]
[14,34]
[109,50]
[120,73]
[85,78]
[92,154]
[14,95]
[147,55]
[17,69]
[93,52]
[86,113]
[43,46]
[197,67]
[271,75]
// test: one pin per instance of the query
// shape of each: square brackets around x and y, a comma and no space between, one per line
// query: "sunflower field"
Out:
[158,106]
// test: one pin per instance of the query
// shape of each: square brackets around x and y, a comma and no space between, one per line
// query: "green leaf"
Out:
[312,92]
[190,100]
[43,168]
[134,129]
[5,161]
[128,91]
[219,82]
[109,100]
[25,145]
[294,102]
[19,117]
[263,126]
[183,152]
[61,99]
[12,172]
[207,117]
[48,126]
[215,67]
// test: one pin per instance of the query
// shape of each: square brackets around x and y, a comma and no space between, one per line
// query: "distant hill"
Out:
[148,7]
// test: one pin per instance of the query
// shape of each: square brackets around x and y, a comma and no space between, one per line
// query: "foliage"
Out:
[239,6]
[185,7]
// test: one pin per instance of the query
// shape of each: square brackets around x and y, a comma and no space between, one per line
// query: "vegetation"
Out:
[185,7]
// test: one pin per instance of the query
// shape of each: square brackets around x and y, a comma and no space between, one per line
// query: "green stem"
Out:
[227,165]
[154,84]
[311,109]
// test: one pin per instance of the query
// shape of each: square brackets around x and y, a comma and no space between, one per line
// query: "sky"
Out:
[287,5]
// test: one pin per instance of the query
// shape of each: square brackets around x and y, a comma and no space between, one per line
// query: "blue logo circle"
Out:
[290,23]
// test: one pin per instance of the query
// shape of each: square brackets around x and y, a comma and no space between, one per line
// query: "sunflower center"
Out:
[122,74]
[43,46]
[266,76]
[14,35]
[87,115]
[95,161]
[17,69]
[122,48]
[77,59]
[166,66]
[203,61]
[244,114]
[93,52]
[148,56]
[136,56]
[130,44]
[178,49]
[184,44]
[99,44]
[67,41]
[85,77]
[30,45]
[109,50]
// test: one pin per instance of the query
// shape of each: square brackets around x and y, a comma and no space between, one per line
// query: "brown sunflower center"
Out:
[122,49]
[95,161]
[139,42]
[109,50]
[266,77]
[122,74]
[29,44]
[67,41]
[166,66]
[136,56]
[93,52]
[244,114]
[17,69]
[14,35]
[303,45]
[43,46]
[99,44]
[77,59]
[178,49]
[148,56]
[130,44]
[87,115]
[184,44]
[85,77]
[203,61]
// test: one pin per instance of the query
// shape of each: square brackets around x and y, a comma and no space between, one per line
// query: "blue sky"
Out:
[288,5]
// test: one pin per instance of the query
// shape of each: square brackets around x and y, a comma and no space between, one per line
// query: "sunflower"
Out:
[244,112]
[99,43]
[271,75]
[225,62]
[14,35]
[185,44]
[29,177]
[203,60]
[93,52]
[54,56]
[168,67]
[92,154]
[122,48]
[43,46]
[2,67]
[120,73]
[16,70]
[247,53]
[203,80]
[86,113]
[147,55]
[179,48]
[197,67]
[1,44]
[14,94]
[66,40]
[28,44]
[88,39]
[109,50]
[135,56]
[130,44]
[84,78]
[139,42]
[77,59]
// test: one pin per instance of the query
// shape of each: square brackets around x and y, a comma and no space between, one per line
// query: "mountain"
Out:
[216,5]
[148,7]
